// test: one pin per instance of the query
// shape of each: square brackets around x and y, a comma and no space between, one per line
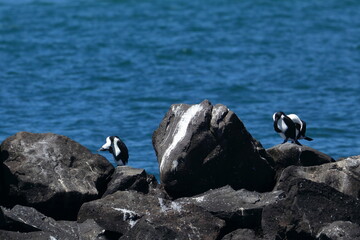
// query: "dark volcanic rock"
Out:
[128,178]
[147,230]
[289,154]
[157,217]
[89,230]
[339,231]
[240,209]
[120,211]
[242,234]
[13,222]
[27,219]
[2,219]
[9,235]
[202,146]
[343,175]
[51,173]
[178,222]
[308,207]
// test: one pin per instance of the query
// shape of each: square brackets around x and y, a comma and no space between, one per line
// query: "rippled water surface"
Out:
[89,69]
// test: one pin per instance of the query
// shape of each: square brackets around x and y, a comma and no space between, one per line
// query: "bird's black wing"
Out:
[276,128]
[124,154]
[303,131]
[290,132]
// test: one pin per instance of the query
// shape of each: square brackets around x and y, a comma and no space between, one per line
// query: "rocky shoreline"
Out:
[217,182]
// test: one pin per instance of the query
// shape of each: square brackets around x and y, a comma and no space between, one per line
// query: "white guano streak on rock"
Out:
[63,184]
[180,131]
[90,167]
[242,211]
[128,214]
[174,165]
[163,208]
[173,206]
[300,152]
[216,113]
[199,199]
[177,112]
[58,171]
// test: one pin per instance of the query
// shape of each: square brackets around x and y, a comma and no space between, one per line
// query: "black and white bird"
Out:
[117,148]
[300,126]
[290,127]
[285,127]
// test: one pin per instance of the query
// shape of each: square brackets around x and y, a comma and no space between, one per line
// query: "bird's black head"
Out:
[278,115]
[108,146]
[117,148]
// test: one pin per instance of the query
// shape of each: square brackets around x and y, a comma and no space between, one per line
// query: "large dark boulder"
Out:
[242,234]
[120,211]
[149,230]
[27,220]
[289,154]
[239,209]
[52,173]
[134,215]
[2,219]
[202,146]
[128,178]
[178,222]
[340,230]
[343,175]
[10,235]
[306,210]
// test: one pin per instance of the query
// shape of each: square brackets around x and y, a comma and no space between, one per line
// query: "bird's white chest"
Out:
[282,125]
[116,148]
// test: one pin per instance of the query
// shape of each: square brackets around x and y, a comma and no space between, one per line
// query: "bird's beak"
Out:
[100,149]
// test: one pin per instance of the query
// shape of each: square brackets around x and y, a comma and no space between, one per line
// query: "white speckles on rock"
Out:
[163,208]
[177,110]
[339,230]
[218,113]
[199,199]
[154,215]
[57,168]
[174,165]
[342,175]
[352,162]
[174,206]
[195,232]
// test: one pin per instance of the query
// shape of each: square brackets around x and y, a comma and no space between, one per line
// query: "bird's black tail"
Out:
[307,138]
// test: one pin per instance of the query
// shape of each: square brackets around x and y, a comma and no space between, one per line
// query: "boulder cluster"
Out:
[216,182]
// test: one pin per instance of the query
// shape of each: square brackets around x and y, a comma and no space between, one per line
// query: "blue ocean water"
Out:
[90,69]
